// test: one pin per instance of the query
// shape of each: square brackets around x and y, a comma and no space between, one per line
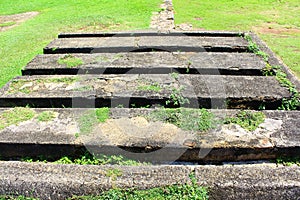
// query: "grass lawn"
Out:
[21,43]
[277,22]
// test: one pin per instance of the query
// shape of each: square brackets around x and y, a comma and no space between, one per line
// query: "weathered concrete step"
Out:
[147,63]
[135,134]
[151,33]
[209,91]
[146,43]
[259,181]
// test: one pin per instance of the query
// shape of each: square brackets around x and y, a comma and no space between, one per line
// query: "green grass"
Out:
[5,24]
[276,22]
[22,43]
[184,118]
[247,119]
[15,116]
[70,61]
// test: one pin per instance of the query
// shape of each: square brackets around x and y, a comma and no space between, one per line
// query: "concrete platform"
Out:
[130,133]
[52,181]
[146,43]
[150,63]
[209,91]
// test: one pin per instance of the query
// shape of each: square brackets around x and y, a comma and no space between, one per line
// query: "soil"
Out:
[276,29]
[17,18]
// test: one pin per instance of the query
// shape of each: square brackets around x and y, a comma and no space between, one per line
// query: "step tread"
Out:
[204,86]
[151,62]
[128,44]
[129,128]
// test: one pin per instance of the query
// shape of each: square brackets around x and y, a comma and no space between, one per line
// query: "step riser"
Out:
[89,50]
[117,34]
[108,70]
[132,102]
[156,155]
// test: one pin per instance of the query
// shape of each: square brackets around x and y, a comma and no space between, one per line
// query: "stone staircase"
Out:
[141,77]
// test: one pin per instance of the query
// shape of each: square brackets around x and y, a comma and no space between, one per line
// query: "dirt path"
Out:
[10,21]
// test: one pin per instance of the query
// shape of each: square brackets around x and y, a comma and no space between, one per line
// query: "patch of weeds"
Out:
[70,61]
[150,87]
[46,116]
[92,117]
[114,173]
[102,114]
[5,24]
[292,103]
[26,86]
[185,118]
[176,98]
[15,116]
[89,159]
[247,119]
[22,86]
[253,47]
[184,191]
[288,161]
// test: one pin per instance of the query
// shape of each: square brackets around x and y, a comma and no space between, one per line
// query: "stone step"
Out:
[50,181]
[137,134]
[147,63]
[167,43]
[136,90]
[151,33]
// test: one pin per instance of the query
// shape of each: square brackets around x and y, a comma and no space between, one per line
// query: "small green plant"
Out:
[46,116]
[90,118]
[288,161]
[253,47]
[5,24]
[176,98]
[70,61]
[174,75]
[189,64]
[15,116]
[247,119]
[185,118]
